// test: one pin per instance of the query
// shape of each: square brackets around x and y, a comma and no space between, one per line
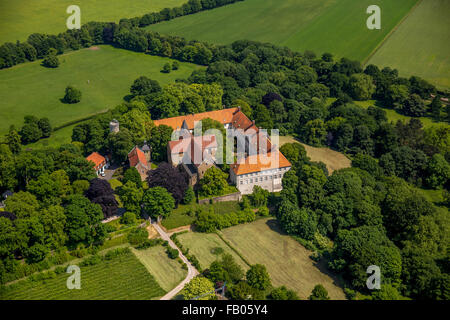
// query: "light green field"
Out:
[394,116]
[167,272]
[180,217]
[30,89]
[20,18]
[201,244]
[332,26]
[287,261]
[122,278]
[421,45]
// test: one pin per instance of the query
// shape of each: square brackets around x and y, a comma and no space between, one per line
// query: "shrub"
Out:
[51,61]
[263,211]
[319,293]
[128,218]
[167,68]
[172,253]
[137,236]
[72,95]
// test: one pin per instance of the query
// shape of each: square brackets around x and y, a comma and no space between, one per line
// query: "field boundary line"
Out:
[395,28]
[232,248]
[72,122]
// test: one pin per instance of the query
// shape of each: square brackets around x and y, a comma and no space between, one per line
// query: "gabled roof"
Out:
[182,145]
[241,121]
[223,116]
[96,158]
[136,156]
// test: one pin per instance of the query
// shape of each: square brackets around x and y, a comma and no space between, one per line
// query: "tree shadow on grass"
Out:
[128,97]
[275,226]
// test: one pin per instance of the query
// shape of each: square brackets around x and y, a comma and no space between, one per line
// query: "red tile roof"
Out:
[223,116]
[238,120]
[97,159]
[257,163]
[136,156]
[182,145]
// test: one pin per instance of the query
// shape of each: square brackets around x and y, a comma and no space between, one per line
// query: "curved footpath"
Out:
[192,271]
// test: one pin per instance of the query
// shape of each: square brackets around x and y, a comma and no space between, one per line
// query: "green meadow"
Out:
[332,26]
[394,116]
[421,45]
[104,77]
[20,18]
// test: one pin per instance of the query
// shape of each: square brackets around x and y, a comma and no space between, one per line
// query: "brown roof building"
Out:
[140,159]
[261,164]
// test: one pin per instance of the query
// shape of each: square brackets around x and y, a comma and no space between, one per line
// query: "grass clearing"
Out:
[421,44]
[287,261]
[20,18]
[336,26]
[167,272]
[30,89]
[180,216]
[122,278]
[201,245]
[334,160]
[394,116]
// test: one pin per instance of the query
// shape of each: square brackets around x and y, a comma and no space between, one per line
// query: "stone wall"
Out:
[237,196]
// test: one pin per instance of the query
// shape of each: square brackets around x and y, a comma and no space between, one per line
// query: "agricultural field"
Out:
[338,27]
[287,262]
[167,272]
[122,278]
[19,18]
[202,245]
[421,44]
[334,160]
[103,74]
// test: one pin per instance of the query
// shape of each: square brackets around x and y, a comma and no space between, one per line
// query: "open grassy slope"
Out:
[30,89]
[287,262]
[20,18]
[202,244]
[334,160]
[394,116]
[167,272]
[332,26]
[421,45]
[122,278]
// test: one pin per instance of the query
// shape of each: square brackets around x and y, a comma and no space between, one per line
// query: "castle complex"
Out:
[259,163]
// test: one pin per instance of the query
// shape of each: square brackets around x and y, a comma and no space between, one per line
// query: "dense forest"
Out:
[372,213]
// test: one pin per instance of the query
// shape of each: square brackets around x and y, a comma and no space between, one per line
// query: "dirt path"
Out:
[192,271]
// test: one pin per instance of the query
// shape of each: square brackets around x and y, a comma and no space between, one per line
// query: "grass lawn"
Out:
[179,216]
[287,261]
[167,272]
[334,160]
[30,89]
[20,18]
[57,138]
[394,116]
[336,26]
[421,45]
[201,245]
[122,278]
